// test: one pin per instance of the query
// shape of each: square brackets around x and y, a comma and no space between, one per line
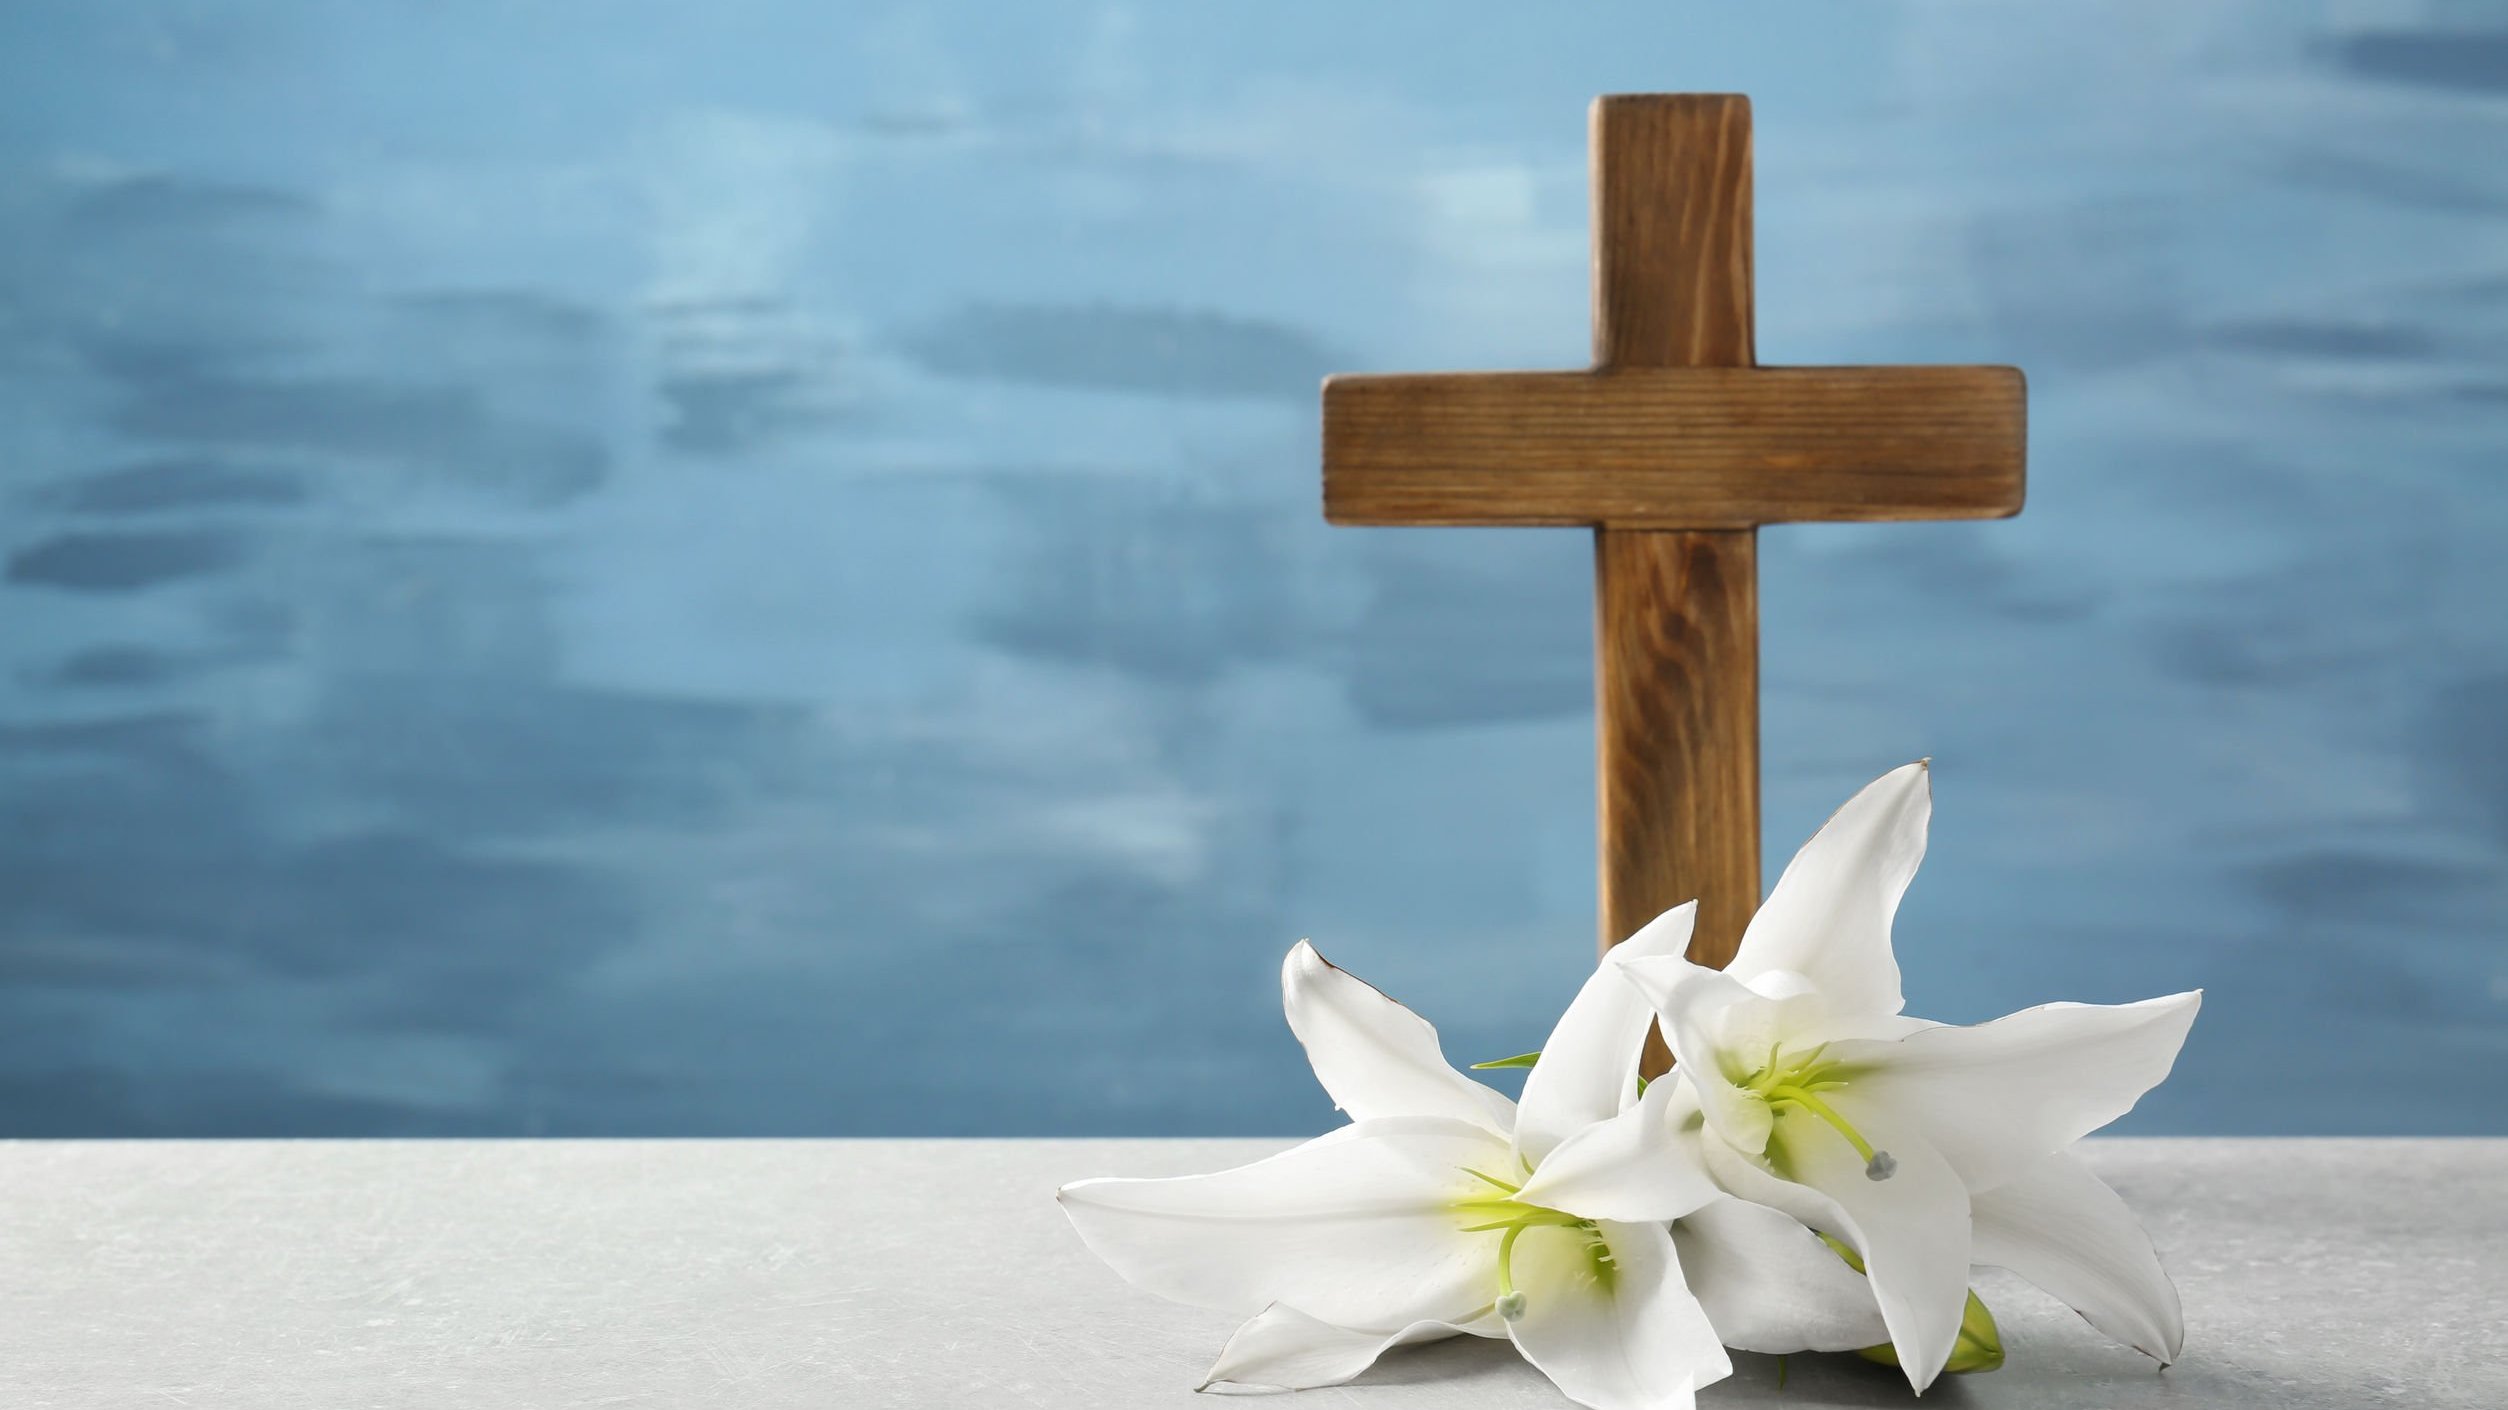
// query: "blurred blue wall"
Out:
[755,567]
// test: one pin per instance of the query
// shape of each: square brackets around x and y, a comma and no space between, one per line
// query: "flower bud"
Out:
[1979,1348]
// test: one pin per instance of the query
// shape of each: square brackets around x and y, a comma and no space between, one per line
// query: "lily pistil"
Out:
[1797,1081]
[1502,1213]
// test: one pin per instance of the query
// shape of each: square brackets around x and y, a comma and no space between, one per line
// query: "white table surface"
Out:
[460,1274]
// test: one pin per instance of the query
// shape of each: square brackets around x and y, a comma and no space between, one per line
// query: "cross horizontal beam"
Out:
[1675,447]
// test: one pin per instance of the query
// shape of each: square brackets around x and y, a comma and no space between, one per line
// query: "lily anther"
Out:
[1504,1212]
[1797,1081]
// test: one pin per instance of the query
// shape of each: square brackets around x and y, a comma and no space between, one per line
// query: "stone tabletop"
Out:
[458,1274]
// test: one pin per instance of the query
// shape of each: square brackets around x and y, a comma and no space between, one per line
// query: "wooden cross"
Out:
[1675,448]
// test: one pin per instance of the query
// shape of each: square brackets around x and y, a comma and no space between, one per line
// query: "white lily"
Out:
[1407,1225]
[1771,1285]
[1924,1147]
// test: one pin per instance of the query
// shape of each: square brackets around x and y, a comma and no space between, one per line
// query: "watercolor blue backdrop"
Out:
[613,568]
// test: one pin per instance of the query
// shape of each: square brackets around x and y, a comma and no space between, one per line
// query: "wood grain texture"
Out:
[1676,695]
[1676,614]
[1675,447]
[1691,447]
[1671,198]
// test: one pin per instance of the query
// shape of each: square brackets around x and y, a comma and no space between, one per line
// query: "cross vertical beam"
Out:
[1676,612]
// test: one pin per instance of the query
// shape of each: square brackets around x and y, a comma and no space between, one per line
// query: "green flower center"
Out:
[1506,1216]
[1797,1080]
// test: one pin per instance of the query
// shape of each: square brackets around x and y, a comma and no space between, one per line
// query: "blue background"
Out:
[613,568]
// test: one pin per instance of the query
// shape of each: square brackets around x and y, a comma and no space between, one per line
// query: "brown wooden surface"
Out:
[1672,237]
[1676,614]
[1675,446]
[1688,448]
[1678,768]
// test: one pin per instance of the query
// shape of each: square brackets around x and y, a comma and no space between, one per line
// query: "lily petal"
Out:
[2062,1228]
[1911,1228]
[1695,1004]
[1375,1057]
[1997,1097]
[1641,1165]
[1282,1348]
[1746,1178]
[1771,1285]
[1356,1228]
[1829,917]
[1621,1335]
[1588,1068]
